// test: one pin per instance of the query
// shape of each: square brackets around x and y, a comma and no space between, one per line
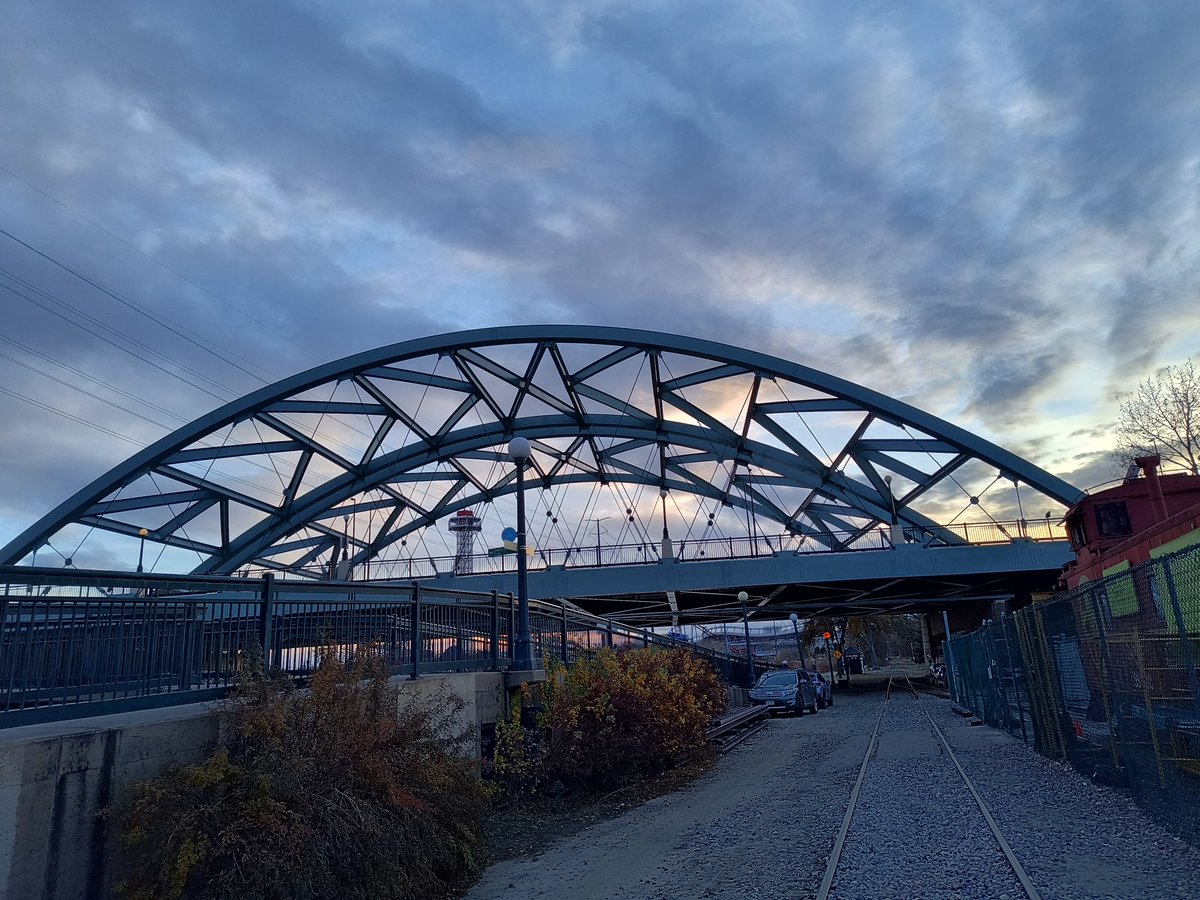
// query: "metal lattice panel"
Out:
[401,437]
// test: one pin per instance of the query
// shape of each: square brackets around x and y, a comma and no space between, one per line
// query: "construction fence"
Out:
[1104,677]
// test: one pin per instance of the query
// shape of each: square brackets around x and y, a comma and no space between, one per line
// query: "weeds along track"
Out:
[915,824]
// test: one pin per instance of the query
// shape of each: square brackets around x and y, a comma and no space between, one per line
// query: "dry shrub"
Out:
[625,715]
[331,791]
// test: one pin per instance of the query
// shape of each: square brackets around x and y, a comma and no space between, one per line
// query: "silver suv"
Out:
[786,689]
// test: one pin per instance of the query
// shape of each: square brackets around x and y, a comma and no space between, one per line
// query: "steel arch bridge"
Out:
[352,461]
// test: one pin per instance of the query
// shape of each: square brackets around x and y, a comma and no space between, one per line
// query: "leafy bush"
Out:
[624,715]
[333,791]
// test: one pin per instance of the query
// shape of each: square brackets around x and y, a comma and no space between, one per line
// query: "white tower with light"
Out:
[465,524]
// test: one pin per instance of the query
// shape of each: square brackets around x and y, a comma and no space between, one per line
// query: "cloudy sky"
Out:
[988,210]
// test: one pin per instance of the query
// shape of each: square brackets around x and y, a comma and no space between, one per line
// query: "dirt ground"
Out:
[516,833]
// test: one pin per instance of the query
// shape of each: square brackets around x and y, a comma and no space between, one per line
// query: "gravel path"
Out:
[759,825]
[763,822]
[1076,839]
[917,832]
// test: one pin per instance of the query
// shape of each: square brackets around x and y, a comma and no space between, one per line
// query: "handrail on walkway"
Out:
[647,552]
[79,643]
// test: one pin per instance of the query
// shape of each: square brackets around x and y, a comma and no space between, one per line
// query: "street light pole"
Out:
[518,450]
[896,532]
[742,598]
[829,654]
[598,521]
[799,647]
[142,533]
[668,550]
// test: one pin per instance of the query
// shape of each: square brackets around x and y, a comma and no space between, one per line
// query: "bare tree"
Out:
[1162,415]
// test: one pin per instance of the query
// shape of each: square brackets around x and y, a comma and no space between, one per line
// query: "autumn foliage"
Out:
[332,791]
[612,718]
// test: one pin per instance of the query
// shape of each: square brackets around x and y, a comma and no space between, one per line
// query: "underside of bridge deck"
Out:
[904,579]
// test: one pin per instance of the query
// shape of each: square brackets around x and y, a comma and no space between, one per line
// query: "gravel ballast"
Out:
[916,831]
[762,823]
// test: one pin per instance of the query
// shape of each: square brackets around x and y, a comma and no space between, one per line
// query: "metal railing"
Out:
[76,643]
[750,547]
[1106,677]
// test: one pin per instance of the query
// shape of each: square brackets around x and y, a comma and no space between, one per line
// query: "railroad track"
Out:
[823,892]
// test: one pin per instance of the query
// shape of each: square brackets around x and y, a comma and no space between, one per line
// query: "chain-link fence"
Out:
[1104,677]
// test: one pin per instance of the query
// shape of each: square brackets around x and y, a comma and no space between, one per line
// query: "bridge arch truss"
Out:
[352,461]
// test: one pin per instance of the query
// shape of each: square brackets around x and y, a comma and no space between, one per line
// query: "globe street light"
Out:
[142,533]
[742,598]
[799,647]
[518,450]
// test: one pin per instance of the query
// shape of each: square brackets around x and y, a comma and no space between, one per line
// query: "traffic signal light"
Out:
[827,635]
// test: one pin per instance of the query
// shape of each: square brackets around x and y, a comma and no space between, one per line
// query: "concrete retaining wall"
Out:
[55,779]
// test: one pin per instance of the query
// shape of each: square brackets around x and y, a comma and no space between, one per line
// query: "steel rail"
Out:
[1014,863]
[835,856]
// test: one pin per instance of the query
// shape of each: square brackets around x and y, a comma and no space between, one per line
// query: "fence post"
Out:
[495,631]
[512,625]
[416,630]
[948,659]
[564,634]
[1012,668]
[266,620]
[1108,692]
[187,641]
[1185,643]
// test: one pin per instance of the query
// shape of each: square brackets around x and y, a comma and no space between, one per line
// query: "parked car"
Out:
[786,689]
[822,688]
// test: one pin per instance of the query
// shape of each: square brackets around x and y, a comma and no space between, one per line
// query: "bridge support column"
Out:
[926,650]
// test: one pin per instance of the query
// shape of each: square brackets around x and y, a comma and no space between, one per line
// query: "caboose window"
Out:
[1112,519]
[1077,532]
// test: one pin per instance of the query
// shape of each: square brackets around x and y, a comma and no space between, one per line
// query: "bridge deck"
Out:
[904,578]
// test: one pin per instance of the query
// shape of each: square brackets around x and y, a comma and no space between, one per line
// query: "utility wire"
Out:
[99,324]
[80,390]
[116,237]
[92,378]
[179,330]
[74,418]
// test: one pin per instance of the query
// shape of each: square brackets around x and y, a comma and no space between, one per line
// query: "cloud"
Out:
[985,211]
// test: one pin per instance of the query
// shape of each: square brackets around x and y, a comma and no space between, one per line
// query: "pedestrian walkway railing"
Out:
[501,560]
[1105,677]
[76,643]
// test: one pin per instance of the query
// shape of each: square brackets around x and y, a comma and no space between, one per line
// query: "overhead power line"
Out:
[162,321]
[158,262]
[71,416]
[117,336]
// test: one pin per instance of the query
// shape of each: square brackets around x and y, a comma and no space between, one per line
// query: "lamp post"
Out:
[668,551]
[142,533]
[799,646]
[896,533]
[829,654]
[518,450]
[742,598]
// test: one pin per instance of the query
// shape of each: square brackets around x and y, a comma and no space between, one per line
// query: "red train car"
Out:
[1132,523]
